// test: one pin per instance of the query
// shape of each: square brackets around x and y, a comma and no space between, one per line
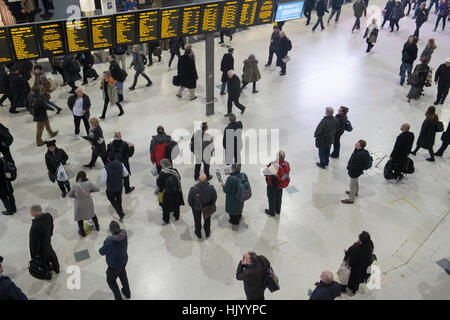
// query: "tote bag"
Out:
[344,273]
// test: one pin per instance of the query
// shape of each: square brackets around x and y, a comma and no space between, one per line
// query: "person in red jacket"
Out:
[276,182]
[158,147]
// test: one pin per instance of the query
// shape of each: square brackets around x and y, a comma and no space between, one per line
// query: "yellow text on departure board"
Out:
[248,12]
[4,47]
[229,15]
[169,23]
[101,32]
[22,38]
[210,17]
[191,20]
[77,35]
[148,22]
[52,39]
[265,13]
[125,26]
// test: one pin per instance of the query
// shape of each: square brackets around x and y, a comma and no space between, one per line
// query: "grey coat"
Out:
[84,206]
[426,54]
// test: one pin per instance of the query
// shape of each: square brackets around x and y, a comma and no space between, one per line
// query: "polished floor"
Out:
[409,221]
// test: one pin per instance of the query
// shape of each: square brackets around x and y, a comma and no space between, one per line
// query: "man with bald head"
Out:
[283,46]
[327,288]
[402,148]
[79,103]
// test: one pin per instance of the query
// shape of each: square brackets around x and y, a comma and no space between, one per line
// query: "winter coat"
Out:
[309,5]
[359,257]
[283,47]
[233,206]
[115,249]
[402,147]
[86,104]
[122,151]
[158,147]
[138,61]
[6,188]
[442,75]
[251,71]
[321,8]
[253,276]
[116,71]
[409,53]
[336,4]
[234,87]
[187,72]
[202,145]
[325,131]
[69,64]
[357,163]
[388,9]
[83,204]
[236,137]
[97,140]
[111,91]
[39,107]
[207,194]
[41,233]
[9,290]
[174,45]
[427,133]
[342,120]
[445,137]
[371,32]
[173,201]
[226,64]
[274,38]
[443,9]
[419,75]
[425,57]
[396,13]
[359,8]
[422,16]
[326,291]
[18,90]
[4,81]
[53,160]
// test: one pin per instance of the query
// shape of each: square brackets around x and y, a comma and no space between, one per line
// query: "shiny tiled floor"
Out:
[328,68]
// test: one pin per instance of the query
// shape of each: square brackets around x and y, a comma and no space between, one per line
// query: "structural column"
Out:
[209,74]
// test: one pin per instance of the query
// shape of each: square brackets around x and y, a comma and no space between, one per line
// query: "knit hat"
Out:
[51,143]
[230,50]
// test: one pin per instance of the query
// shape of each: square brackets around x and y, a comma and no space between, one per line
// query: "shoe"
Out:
[434,30]
[409,100]
[226,115]
[102,117]
[149,84]
[193,98]
[307,24]
[282,73]
[84,83]
[7,213]
[82,233]
[436,102]
[430,159]
[318,164]
[346,201]
[13,111]
[267,65]
[63,194]
[95,78]
[58,111]
[88,166]
[56,271]
[199,236]
[68,188]
[40,144]
[267,211]
[207,235]
[120,113]
[242,111]
[348,192]
[121,218]
[220,42]
[438,154]
[72,92]
[131,88]
[128,296]
[256,91]
[222,93]
[176,218]
[328,22]
[447,270]
[413,153]
[442,101]
[55,134]
[334,156]
[179,95]
[129,191]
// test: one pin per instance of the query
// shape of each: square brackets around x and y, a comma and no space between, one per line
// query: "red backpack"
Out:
[283,175]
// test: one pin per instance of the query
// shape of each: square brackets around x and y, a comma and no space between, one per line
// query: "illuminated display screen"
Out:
[211,14]
[125,28]
[5,52]
[51,40]
[101,32]
[265,13]
[289,11]
[229,15]
[190,20]
[148,25]
[170,23]
[247,14]
[77,35]
[24,42]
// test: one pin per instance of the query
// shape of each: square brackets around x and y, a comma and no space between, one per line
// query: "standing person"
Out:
[153,48]
[443,13]
[42,84]
[359,7]
[8,289]
[234,92]
[396,15]
[4,85]
[358,162]
[252,270]
[18,89]
[427,52]
[119,53]
[402,148]
[95,136]
[442,79]
[406,3]
[342,121]
[250,72]
[83,205]
[71,70]
[274,38]
[119,75]
[188,74]
[284,46]
[200,196]
[123,151]
[39,111]
[409,54]
[371,35]
[6,140]
[232,140]
[233,205]
[79,104]
[417,81]
[445,141]
[158,147]
[55,157]
[308,8]
[175,45]
[202,146]
[276,183]
[112,176]
[6,188]
[390,5]
[320,9]
[130,5]
[41,233]
[324,135]
[28,9]
[87,61]
[422,16]
[169,184]
[110,96]
[336,6]
[139,66]
[326,288]
[359,257]
[427,133]
[226,64]
[115,249]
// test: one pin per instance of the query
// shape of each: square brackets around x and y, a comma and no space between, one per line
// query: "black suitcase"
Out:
[40,269]
[389,170]
[408,166]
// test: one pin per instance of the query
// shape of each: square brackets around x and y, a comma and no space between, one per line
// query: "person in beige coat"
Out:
[84,206]
[251,72]
[109,93]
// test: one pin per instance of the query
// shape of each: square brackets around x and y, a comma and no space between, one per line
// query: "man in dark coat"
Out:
[202,146]
[356,166]
[39,110]
[123,151]
[341,118]
[71,70]
[79,104]
[138,63]
[54,157]
[6,139]
[409,54]
[308,8]
[321,8]
[442,79]
[232,140]
[284,45]
[421,18]
[6,191]
[387,12]
[87,61]
[188,74]
[18,89]
[274,38]
[336,6]
[234,92]
[445,141]
[327,288]
[112,176]
[169,185]
[4,85]
[324,134]
[359,7]
[226,64]
[8,289]
[41,236]
[252,270]
[152,46]
[402,148]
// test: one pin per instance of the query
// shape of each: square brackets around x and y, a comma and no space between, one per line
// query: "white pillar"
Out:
[87,7]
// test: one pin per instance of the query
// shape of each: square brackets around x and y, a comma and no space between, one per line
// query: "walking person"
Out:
[234,92]
[175,45]
[402,148]
[427,133]
[228,33]
[139,66]
[6,140]
[110,96]
[336,6]
[358,162]
[169,184]
[115,249]
[6,188]
[276,182]
[200,196]
[83,204]
[202,146]
[326,288]
[188,74]
[226,64]
[442,15]
[427,52]
[284,46]
[406,3]
[359,7]
[250,72]
[18,89]
[8,289]
[54,158]
[324,136]
[79,104]
[233,205]
[232,140]
[112,176]
[274,38]
[158,147]
[71,70]
[321,8]
[421,18]
[442,79]
[371,35]
[119,53]
[95,137]
[417,81]
[445,137]
[119,75]
[252,271]
[154,48]
[396,15]
[123,151]
[4,85]
[343,125]
[390,5]
[409,55]
[42,84]
[87,61]
[39,111]
[308,8]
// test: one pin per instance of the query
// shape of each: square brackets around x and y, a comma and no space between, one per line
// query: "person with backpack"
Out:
[321,8]
[274,38]
[359,7]
[87,61]
[6,140]
[8,173]
[139,62]
[202,146]
[39,110]
[169,184]
[360,160]
[118,74]
[8,289]
[71,70]
[252,271]
[343,125]
[417,81]
[226,64]
[18,89]
[123,151]
[276,182]
[421,18]
[445,137]
[427,133]
[158,147]
[79,104]
[95,137]
[237,190]
[409,54]
[119,53]
[112,176]
[188,74]
[283,47]
[175,45]
[54,158]
[324,136]
[110,96]
[402,148]
[232,140]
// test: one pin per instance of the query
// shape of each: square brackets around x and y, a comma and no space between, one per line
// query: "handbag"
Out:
[176,81]
[40,269]
[52,86]
[344,273]
[439,126]
[207,211]
[348,126]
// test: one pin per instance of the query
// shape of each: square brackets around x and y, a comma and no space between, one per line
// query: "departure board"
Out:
[24,42]
[5,52]
[170,22]
[51,40]
[77,35]
[265,12]
[125,29]
[148,25]
[211,14]
[190,17]
[229,14]
[247,14]
[101,32]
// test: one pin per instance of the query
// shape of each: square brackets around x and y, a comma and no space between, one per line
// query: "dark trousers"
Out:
[98,153]
[72,85]
[416,32]
[397,166]
[63,185]
[136,76]
[370,45]
[111,277]
[172,55]
[324,155]
[2,99]
[319,20]
[430,151]
[336,145]
[85,71]
[81,224]
[409,7]
[77,120]
[7,154]
[52,260]
[282,64]
[442,92]
[308,15]
[271,52]
[166,214]
[197,169]
[357,24]
[441,150]
[392,23]
[274,195]
[385,19]
[436,5]
[126,182]
[235,219]
[10,203]
[335,11]
[198,224]
[231,155]
[105,107]
[234,100]
[116,201]
[439,17]
[222,34]
[244,84]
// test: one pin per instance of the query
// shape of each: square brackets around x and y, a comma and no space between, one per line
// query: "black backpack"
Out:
[6,139]
[9,169]
[40,269]
[389,170]
[172,184]
[408,166]
[172,150]
[123,75]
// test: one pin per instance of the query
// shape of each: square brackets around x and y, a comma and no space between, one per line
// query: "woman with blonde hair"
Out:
[97,140]
[425,57]
[108,87]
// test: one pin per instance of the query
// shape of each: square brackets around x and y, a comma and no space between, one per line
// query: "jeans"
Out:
[111,278]
[324,155]
[436,5]
[274,195]
[405,67]
[442,92]
[337,142]
[198,167]
[236,102]
[319,20]
[53,105]
[63,185]
[271,52]
[223,87]
[77,120]
[439,17]
[116,201]
[198,224]
[335,11]
[136,76]
[172,55]
[354,188]
[357,24]
[9,202]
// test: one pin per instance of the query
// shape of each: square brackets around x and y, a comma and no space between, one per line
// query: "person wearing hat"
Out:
[226,64]
[53,159]
[123,151]
[39,110]
[8,289]
[442,79]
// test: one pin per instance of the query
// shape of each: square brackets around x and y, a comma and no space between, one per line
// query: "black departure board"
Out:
[247,13]
[170,22]
[77,35]
[190,17]
[126,29]
[5,52]
[51,39]
[24,42]
[148,25]
[265,12]
[211,15]
[101,32]
[229,14]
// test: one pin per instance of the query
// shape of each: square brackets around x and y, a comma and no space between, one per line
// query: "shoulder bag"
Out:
[207,211]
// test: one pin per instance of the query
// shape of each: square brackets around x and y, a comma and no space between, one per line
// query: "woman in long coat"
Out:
[428,133]
[110,96]
[417,80]
[233,206]
[425,57]
[83,205]
[188,74]
[251,72]
[71,70]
